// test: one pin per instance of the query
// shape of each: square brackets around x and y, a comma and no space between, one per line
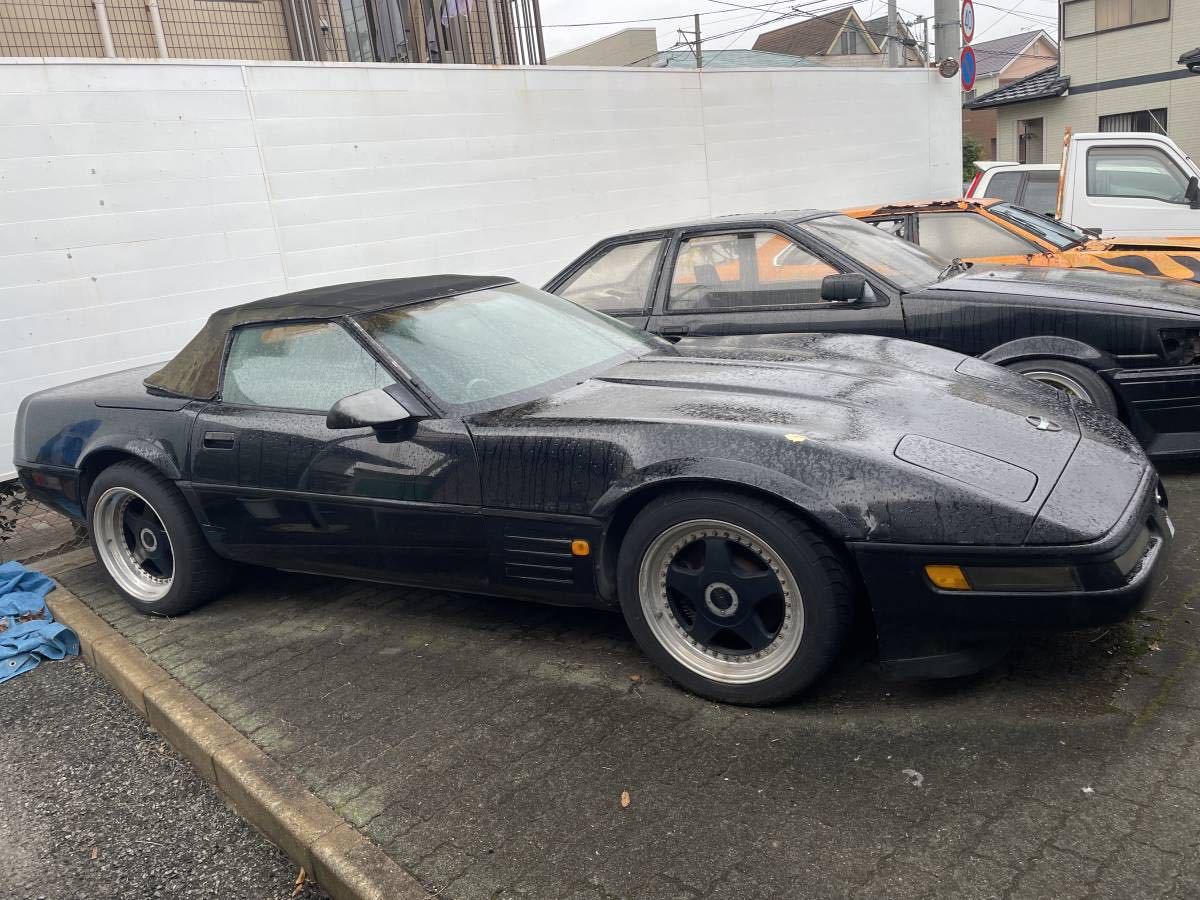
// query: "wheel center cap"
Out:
[721,599]
[149,541]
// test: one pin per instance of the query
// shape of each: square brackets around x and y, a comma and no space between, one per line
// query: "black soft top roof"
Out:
[196,370]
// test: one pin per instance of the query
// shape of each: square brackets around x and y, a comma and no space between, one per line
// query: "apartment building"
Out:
[1124,65]
[424,31]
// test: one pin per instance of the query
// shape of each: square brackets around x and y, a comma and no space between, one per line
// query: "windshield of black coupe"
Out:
[503,342]
[904,264]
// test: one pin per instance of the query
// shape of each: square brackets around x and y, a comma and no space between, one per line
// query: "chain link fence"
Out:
[31,531]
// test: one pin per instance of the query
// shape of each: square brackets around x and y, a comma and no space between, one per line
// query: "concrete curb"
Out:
[346,864]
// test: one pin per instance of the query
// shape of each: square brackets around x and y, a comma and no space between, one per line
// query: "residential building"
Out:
[627,47]
[839,37]
[998,63]
[1124,65]
[729,58]
[330,30]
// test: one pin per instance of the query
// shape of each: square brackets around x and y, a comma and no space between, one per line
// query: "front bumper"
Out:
[925,631]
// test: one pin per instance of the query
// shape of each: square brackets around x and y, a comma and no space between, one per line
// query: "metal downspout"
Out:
[105,30]
[160,39]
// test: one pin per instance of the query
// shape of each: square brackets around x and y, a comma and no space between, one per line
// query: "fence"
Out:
[136,198]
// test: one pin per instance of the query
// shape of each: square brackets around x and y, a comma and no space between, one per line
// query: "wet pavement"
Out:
[93,804]
[486,745]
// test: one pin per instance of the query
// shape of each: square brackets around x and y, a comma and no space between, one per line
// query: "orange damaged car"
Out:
[997,233]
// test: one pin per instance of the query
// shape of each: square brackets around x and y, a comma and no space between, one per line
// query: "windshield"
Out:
[474,349]
[900,262]
[1059,234]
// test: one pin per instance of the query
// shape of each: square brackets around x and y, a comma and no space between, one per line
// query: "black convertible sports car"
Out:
[1128,344]
[477,434]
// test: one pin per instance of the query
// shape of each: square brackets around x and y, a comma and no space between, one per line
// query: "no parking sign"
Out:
[967,68]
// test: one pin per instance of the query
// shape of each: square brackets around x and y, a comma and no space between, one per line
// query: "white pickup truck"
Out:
[1122,183]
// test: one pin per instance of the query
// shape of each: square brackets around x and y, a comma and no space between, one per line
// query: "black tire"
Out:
[1070,378]
[197,573]
[825,592]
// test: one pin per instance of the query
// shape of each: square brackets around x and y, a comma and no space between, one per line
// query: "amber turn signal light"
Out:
[580,547]
[948,578]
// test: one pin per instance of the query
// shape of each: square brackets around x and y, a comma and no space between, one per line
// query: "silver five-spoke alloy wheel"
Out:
[721,601]
[133,544]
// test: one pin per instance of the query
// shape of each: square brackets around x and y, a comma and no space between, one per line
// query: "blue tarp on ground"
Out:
[28,633]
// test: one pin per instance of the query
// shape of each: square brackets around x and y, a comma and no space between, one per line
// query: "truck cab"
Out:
[1130,183]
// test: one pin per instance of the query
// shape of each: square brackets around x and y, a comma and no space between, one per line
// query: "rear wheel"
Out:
[1070,378]
[145,536]
[734,598]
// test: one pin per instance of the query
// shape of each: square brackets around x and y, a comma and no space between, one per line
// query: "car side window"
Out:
[745,270]
[618,280]
[1003,186]
[1041,192]
[307,366]
[966,235]
[1145,172]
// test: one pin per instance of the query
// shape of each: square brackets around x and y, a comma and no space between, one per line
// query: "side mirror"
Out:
[844,288]
[374,408]
[1192,194]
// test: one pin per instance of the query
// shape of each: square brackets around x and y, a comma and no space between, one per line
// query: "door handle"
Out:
[219,440]
[679,330]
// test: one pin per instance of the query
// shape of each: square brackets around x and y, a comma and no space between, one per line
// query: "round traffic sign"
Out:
[967,68]
[967,19]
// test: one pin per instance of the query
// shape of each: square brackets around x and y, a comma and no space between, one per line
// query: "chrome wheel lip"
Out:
[1060,382]
[114,552]
[669,632]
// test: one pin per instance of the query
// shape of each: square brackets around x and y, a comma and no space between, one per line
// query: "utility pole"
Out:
[894,46]
[947,40]
[699,54]
[923,21]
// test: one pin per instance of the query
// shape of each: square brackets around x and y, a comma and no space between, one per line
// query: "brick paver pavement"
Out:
[485,745]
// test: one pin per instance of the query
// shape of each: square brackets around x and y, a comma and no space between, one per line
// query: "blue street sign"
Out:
[967,68]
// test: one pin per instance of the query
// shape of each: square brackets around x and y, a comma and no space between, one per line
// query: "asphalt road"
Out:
[93,804]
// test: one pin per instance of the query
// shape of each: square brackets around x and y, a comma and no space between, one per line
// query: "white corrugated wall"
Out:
[136,198]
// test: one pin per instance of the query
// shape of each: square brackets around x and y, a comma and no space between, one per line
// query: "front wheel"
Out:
[145,536]
[1070,378]
[734,598]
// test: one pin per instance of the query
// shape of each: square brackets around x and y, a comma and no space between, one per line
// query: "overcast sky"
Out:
[994,18]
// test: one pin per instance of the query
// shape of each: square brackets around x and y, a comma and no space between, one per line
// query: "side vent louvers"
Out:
[538,559]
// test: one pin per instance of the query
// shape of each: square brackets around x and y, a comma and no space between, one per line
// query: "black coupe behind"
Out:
[480,435]
[1127,344]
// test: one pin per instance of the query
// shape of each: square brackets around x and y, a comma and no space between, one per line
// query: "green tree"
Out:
[972,150]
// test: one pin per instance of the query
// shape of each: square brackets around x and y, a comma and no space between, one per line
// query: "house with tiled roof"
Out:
[1124,65]
[998,63]
[838,37]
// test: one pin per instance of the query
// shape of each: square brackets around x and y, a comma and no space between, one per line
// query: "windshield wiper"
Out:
[956,267]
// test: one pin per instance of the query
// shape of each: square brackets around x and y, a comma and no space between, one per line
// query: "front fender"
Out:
[734,474]
[1050,347]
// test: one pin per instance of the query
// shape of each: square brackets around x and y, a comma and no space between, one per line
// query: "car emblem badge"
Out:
[1041,423]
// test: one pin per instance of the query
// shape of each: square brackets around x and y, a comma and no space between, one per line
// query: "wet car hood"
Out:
[915,443]
[1134,244]
[1159,294]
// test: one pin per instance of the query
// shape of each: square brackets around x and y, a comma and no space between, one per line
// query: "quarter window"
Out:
[618,280]
[745,271]
[966,235]
[1134,172]
[308,366]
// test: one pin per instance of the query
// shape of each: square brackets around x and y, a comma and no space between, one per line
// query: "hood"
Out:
[1135,244]
[1160,294]
[909,442]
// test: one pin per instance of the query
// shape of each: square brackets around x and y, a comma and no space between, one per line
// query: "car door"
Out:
[616,278]
[758,280]
[1138,190]
[280,488]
